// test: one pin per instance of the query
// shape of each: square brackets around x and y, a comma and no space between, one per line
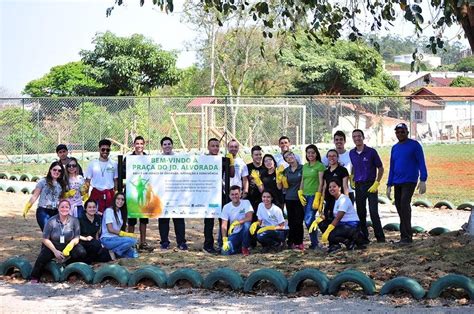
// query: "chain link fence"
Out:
[30,128]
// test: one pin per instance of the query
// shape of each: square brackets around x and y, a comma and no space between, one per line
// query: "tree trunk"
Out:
[466,17]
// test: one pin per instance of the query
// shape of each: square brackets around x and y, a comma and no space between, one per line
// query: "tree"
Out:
[465,65]
[343,68]
[190,84]
[462,81]
[70,79]
[128,66]
[326,18]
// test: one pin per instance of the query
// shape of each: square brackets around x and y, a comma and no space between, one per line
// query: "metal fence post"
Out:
[23,134]
[410,99]
[83,129]
[311,118]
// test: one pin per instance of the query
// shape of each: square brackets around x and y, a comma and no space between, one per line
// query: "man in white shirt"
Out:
[241,172]
[344,158]
[239,214]
[101,175]
[284,143]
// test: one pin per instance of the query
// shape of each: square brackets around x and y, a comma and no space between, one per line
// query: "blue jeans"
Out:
[272,238]
[43,214]
[122,246]
[239,240]
[80,211]
[309,214]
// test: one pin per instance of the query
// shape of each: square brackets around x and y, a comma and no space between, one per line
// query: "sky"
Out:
[36,35]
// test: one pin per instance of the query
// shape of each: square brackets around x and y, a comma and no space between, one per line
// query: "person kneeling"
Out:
[273,231]
[113,238]
[60,240]
[239,213]
[345,227]
[90,223]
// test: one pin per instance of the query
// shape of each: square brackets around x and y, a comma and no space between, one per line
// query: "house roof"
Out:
[427,103]
[441,81]
[200,101]
[447,93]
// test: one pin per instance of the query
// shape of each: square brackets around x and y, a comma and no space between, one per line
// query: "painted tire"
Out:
[148,272]
[406,284]
[227,275]
[417,229]
[187,274]
[392,227]
[438,231]
[384,200]
[466,206]
[446,203]
[85,271]
[274,276]
[35,178]
[422,203]
[25,190]
[117,272]
[355,276]
[26,177]
[12,189]
[368,223]
[14,177]
[19,263]
[3,187]
[4,175]
[319,278]
[454,281]
[55,270]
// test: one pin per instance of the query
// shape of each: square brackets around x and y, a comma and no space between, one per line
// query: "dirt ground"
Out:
[426,260]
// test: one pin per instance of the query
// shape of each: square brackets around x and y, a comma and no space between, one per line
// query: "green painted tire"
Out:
[35,178]
[392,227]
[26,177]
[3,186]
[19,263]
[446,203]
[417,229]
[355,276]
[14,177]
[12,189]
[422,203]
[383,200]
[319,278]
[438,231]
[149,272]
[466,206]
[451,281]
[4,175]
[368,223]
[187,274]
[227,275]
[55,270]
[115,271]
[275,277]
[406,284]
[25,190]
[85,271]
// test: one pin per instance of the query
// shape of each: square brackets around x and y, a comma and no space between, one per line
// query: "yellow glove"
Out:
[126,234]
[284,182]
[269,228]
[85,197]
[26,209]
[316,201]
[253,227]
[68,249]
[232,226]
[374,187]
[84,189]
[225,244]
[69,193]
[256,177]
[301,197]
[231,158]
[351,181]
[314,225]
[325,237]
[321,206]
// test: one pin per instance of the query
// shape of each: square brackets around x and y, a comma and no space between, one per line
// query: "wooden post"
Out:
[457,133]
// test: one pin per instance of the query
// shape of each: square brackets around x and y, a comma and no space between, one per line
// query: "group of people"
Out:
[269,201]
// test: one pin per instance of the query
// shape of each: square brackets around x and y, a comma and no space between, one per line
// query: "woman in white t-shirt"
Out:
[120,242]
[273,228]
[344,228]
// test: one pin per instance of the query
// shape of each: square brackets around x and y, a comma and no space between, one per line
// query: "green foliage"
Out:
[70,79]
[130,65]
[346,68]
[465,65]
[191,83]
[462,81]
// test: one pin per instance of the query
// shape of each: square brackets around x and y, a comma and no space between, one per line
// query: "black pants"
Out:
[78,254]
[403,194]
[295,221]
[179,230]
[346,234]
[95,252]
[362,195]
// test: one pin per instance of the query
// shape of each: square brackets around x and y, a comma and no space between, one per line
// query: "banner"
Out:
[173,186]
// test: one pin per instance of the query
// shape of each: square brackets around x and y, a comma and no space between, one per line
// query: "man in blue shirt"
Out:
[407,163]
[368,171]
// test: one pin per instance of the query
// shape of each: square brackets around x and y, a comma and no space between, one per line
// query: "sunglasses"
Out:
[56,170]
[71,166]
[105,150]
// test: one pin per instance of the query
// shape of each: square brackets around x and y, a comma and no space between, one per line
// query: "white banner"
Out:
[174,186]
